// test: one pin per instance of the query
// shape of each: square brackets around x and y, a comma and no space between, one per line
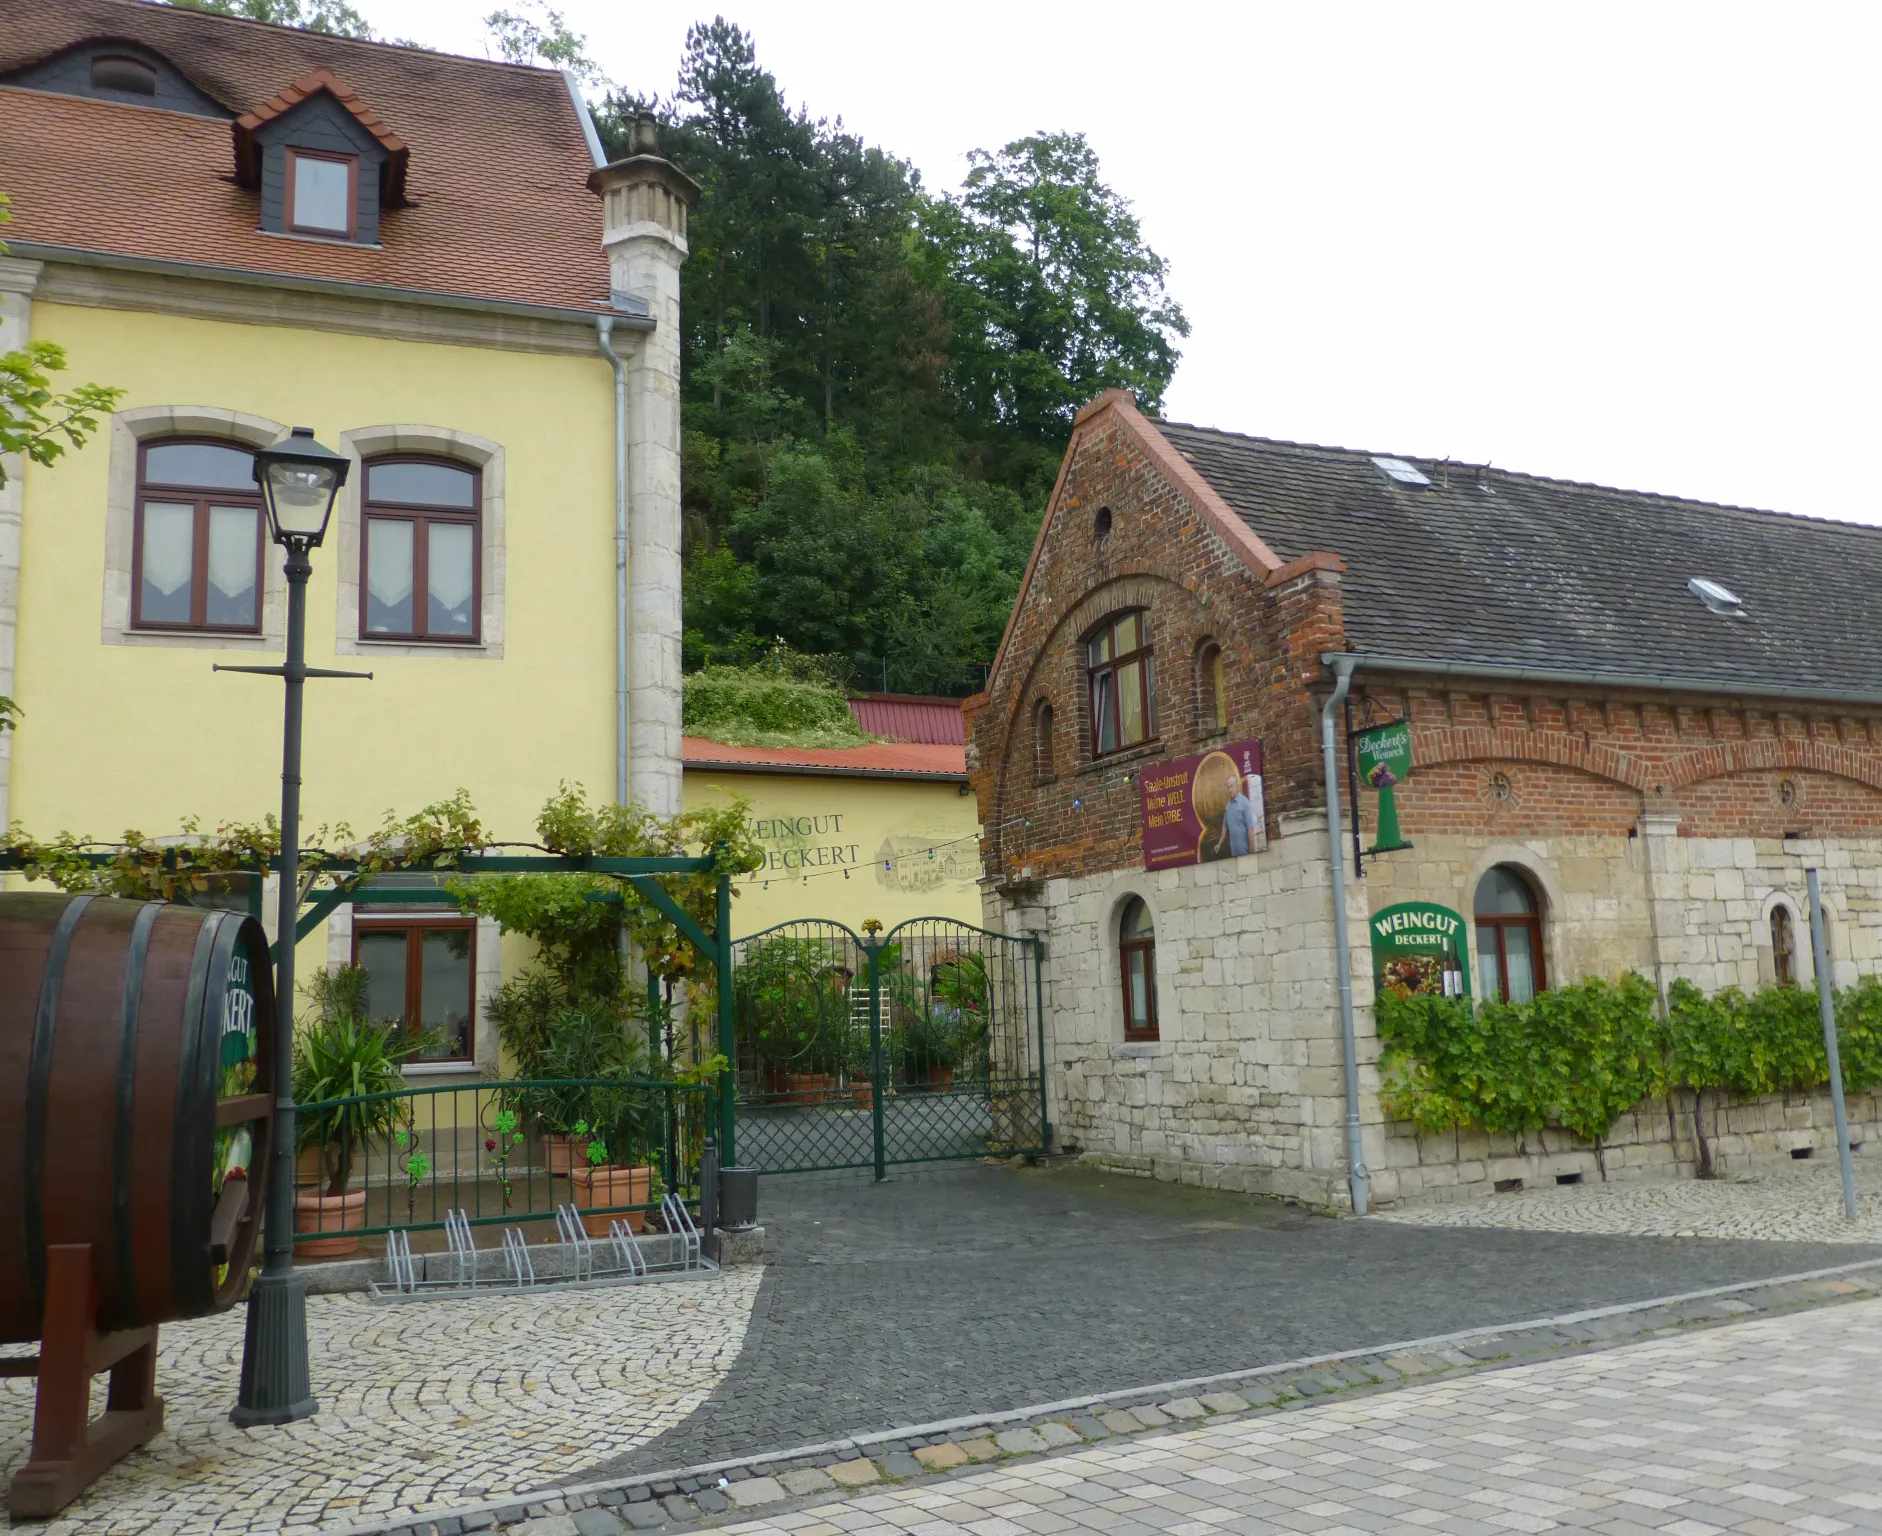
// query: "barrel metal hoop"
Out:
[189,1274]
[38,1080]
[128,1310]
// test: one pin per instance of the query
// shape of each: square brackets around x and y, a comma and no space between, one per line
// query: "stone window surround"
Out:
[485,1047]
[1544,880]
[362,443]
[1111,975]
[1798,904]
[128,431]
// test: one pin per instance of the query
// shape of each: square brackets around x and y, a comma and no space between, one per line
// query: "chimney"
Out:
[644,202]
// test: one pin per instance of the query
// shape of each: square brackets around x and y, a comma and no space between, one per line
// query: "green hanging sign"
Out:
[1384,758]
[1419,947]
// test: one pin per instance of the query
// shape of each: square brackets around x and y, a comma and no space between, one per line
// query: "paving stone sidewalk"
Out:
[423,1406]
[1763,1427]
[1805,1205]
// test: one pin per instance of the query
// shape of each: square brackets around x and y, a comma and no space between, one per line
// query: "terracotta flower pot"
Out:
[862,1091]
[316,1212]
[308,1172]
[609,1185]
[565,1152]
[940,1079]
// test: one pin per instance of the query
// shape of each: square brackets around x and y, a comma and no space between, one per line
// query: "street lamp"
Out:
[299,479]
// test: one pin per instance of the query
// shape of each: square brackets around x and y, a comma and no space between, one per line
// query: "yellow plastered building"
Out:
[428,262]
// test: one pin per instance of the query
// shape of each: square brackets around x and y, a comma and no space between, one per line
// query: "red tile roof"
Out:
[498,160]
[910,717]
[884,759]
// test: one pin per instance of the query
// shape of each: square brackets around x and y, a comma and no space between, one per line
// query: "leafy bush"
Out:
[1582,1056]
[769,705]
[791,1004]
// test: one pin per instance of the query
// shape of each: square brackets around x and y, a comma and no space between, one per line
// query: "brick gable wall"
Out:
[1164,556]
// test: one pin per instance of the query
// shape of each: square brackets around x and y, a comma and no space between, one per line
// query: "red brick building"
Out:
[1634,720]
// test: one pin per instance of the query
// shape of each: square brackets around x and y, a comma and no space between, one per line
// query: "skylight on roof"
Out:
[1405,474]
[1717,599]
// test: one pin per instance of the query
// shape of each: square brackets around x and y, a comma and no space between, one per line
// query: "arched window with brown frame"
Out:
[1042,768]
[1212,694]
[196,549]
[1509,937]
[421,553]
[1123,673]
[1137,967]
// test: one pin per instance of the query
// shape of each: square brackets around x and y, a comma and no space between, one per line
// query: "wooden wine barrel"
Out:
[136,1042]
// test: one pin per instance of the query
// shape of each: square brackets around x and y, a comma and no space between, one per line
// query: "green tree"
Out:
[1053,292]
[536,33]
[335,17]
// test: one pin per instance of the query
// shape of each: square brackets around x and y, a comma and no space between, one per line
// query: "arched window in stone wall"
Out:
[1137,967]
[1509,937]
[1783,946]
[1211,690]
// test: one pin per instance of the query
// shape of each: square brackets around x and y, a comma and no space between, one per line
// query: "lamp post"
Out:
[299,479]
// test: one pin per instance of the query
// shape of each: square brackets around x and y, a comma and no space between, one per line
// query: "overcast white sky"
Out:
[1628,243]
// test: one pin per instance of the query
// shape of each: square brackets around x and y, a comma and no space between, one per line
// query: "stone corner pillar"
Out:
[644,206]
[18,280]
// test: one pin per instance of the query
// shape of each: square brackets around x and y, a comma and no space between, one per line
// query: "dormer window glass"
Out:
[129,77]
[321,193]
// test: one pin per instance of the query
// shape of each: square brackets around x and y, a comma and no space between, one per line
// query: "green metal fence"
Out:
[503,1152]
[919,1045]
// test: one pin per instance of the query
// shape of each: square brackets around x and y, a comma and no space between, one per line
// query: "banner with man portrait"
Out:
[1205,807]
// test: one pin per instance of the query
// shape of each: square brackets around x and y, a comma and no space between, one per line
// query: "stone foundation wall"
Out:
[1743,1136]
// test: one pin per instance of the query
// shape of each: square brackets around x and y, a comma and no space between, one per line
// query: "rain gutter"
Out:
[1342,947]
[335,287]
[1476,671]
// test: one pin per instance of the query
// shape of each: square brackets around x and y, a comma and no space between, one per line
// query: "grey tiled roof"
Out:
[1511,570]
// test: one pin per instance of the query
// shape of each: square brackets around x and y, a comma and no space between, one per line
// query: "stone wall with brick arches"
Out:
[1658,828]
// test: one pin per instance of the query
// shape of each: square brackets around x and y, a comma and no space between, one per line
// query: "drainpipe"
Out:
[604,333]
[1342,950]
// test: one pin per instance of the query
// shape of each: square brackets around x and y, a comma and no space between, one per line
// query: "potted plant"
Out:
[584,1044]
[343,1055]
[619,1168]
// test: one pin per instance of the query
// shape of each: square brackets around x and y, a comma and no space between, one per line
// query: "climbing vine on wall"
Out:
[1582,1056]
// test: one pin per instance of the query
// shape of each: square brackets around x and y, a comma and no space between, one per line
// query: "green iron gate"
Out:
[921,1044]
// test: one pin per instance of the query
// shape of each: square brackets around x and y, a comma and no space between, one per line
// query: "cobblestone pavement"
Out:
[968,1290]
[422,1406]
[1759,1428]
[1801,1206]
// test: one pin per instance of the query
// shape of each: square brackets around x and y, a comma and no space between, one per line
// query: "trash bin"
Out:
[738,1197]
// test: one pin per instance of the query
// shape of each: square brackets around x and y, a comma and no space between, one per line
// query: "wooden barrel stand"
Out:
[136,1044]
[70,1449]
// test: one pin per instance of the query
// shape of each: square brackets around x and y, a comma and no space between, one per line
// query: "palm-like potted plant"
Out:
[584,1044]
[342,1054]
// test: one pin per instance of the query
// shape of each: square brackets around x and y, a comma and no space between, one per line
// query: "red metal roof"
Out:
[901,760]
[910,717]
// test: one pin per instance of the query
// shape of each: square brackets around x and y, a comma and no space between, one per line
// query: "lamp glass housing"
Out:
[299,479]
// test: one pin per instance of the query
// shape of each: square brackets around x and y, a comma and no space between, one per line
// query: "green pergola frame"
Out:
[351,887]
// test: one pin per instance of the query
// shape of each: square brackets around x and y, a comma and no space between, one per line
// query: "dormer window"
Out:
[326,167]
[322,193]
[131,77]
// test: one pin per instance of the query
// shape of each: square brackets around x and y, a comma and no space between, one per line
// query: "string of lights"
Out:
[926,854]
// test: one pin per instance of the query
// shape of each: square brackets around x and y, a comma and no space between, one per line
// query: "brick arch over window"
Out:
[129,430]
[1766,752]
[1101,602]
[479,453]
[1464,744]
